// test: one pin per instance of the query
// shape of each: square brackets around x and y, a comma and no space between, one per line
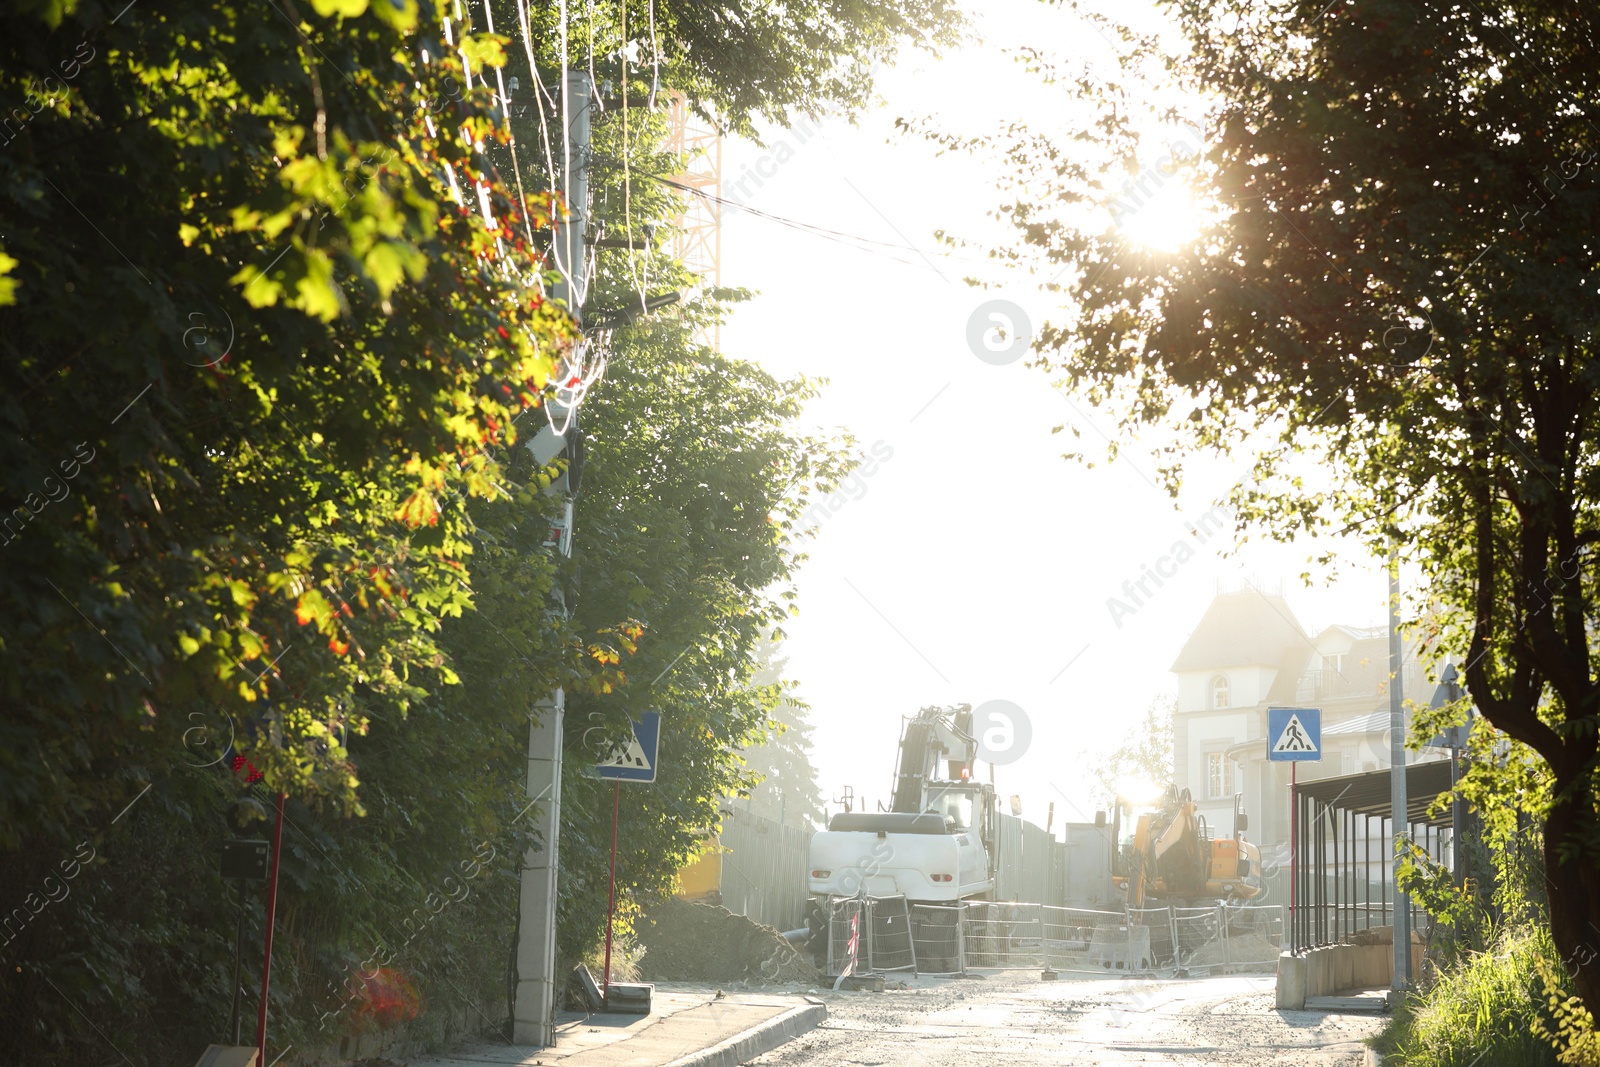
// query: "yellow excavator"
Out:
[1172,858]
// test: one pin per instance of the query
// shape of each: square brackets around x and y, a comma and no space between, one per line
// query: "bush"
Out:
[1487,1010]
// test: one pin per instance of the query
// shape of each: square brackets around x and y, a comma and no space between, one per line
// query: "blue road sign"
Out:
[635,760]
[1294,734]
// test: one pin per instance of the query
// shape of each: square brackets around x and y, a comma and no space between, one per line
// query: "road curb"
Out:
[758,1039]
[1371,1058]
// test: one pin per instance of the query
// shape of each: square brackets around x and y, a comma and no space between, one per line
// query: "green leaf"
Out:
[484,50]
[342,8]
[318,294]
[390,262]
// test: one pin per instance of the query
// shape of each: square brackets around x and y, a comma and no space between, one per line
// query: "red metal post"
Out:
[1294,811]
[272,913]
[611,908]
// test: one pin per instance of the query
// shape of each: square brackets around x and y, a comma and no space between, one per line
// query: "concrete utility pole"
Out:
[534,1011]
[1397,782]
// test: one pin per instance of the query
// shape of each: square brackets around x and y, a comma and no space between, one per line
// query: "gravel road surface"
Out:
[1013,1019]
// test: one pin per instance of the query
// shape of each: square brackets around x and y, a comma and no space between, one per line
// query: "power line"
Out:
[850,240]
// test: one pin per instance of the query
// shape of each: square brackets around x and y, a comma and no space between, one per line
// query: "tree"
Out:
[272,328]
[788,791]
[1395,302]
[254,360]
[741,60]
[695,479]
[1145,754]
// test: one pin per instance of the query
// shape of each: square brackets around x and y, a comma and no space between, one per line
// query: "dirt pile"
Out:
[1242,949]
[686,942]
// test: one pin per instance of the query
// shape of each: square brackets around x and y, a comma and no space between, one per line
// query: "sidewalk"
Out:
[686,1028]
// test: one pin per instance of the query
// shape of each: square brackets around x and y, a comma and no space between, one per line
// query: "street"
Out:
[1013,1019]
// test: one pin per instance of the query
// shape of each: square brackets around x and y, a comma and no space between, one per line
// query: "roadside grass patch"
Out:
[1486,1010]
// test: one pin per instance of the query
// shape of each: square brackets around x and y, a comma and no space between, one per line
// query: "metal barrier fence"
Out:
[937,938]
[844,934]
[1072,936]
[890,946]
[1219,936]
[891,934]
[1003,935]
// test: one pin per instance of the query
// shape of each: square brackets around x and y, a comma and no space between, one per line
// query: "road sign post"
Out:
[634,760]
[1294,736]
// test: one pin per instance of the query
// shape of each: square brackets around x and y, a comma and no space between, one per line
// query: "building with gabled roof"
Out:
[1249,652]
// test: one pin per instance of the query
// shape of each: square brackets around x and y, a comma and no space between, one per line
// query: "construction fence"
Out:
[890,934]
[762,869]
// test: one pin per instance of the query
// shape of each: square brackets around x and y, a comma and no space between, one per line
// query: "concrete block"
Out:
[1291,982]
[1344,963]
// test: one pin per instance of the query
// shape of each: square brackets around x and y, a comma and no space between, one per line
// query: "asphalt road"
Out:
[1013,1019]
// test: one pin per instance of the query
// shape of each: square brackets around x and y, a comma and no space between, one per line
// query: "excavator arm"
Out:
[933,733]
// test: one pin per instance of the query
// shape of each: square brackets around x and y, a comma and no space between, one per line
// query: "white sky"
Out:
[977,562]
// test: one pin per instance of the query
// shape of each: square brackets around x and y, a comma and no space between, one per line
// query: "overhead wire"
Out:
[511,136]
[850,240]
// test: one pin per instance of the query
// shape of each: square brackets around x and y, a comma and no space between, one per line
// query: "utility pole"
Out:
[534,1010]
[1397,782]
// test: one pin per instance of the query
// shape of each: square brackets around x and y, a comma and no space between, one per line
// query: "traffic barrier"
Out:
[1163,935]
[939,944]
[890,945]
[891,934]
[1253,934]
[1069,936]
[1196,936]
[844,934]
[1003,935]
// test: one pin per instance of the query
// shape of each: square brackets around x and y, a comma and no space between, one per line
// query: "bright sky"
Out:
[973,563]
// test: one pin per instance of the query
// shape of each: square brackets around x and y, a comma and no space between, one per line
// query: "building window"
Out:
[1219,692]
[1219,775]
[1332,664]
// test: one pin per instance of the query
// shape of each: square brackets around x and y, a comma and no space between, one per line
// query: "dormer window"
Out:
[1219,691]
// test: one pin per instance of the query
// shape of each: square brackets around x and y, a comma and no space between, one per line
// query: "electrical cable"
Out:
[849,240]
[511,135]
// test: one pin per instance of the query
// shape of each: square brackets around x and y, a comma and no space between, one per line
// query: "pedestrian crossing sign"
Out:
[1294,734]
[634,760]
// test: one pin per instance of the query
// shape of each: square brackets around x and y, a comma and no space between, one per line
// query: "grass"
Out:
[1480,1011]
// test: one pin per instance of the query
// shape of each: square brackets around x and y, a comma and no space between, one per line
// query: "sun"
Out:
[1164,220]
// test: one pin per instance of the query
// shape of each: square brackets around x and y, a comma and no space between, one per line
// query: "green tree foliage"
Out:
[742,60]
[254,363]
[266,364]
[694,480]
[788,791]
[1394,302]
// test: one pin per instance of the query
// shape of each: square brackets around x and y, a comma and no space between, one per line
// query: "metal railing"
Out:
[845,916]
[890,946]
[886,934]
[938,938]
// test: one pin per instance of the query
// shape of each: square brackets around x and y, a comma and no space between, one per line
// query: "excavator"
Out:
[937,843]
[1172,858]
